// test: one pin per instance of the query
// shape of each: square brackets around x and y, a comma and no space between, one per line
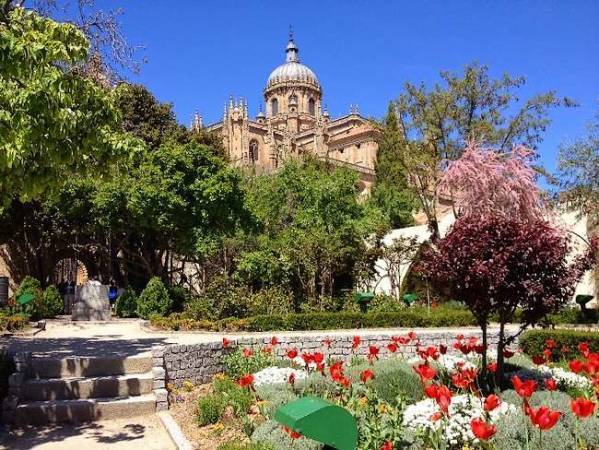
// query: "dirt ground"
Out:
[184,411]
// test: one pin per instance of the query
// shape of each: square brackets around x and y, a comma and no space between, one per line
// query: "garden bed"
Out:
[440,398]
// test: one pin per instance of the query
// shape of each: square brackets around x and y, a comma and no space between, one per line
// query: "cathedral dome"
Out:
[292,70]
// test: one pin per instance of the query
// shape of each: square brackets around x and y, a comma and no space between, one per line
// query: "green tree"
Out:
[154,299]
[52,121]
[578,173]
[391,192]
[436,123]
[312,230]
[146,118]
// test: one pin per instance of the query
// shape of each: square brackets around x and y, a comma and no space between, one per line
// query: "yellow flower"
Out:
[383,408]
[362,402]
[218,427]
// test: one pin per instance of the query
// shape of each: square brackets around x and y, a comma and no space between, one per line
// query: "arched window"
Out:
[292,99]
[253,153]
[312,107]
[274,107]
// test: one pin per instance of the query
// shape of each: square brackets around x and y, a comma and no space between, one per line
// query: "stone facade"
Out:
[200,362]
[295,124]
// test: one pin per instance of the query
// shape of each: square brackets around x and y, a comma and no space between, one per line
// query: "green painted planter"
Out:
[363,299]
[320,421]
[408,299]
[583,299]
[25,298]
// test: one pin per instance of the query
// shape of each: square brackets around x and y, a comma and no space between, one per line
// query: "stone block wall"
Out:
[200,362]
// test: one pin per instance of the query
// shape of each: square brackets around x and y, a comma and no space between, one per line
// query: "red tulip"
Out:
[550,343]
[583,348]
[538,360]
[327,341]
[550,384]
[292,433]
[318,358]
[582,407]
[524,388]
[366,375]
[247,352]
[356,342]
[429,352]
[308,358]
[392,347]
[443,398]
[548,354]
[431,390]
[292,353]
[226,343]
[491,402]
[576,366]
[544,418]
[336,370]
[412,336]
[291,379]
[387,446]
[482,430]
[442,349]
[492,367]
[425,371]
[274,341]
[246,380]
[373,353]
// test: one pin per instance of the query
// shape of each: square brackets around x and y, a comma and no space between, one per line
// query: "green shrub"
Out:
[271,433]
[10,321]
[199,308]
[30,285]
[273,300]
[179,296]
[407,317]
[126,303]
[533,341]
[237,364]
[385,304]
[240,399]
[234,445]
[210,409]
[154,299]
[52,302]
[393,378]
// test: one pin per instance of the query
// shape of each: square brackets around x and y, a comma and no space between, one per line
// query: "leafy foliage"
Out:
[52,302]
[495,264]
[154,299]
[532,342]
[51,120]
[126,303]
[237,363]
[210,409]
[578,173]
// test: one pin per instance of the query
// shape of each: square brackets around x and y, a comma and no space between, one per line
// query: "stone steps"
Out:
[82,410]
[89,366]
[86,388]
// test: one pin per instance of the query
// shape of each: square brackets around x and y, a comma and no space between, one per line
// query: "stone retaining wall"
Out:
[200,362]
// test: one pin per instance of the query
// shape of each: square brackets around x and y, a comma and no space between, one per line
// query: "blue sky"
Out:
[200,52]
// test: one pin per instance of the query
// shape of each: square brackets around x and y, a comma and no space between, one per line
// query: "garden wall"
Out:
[200,362]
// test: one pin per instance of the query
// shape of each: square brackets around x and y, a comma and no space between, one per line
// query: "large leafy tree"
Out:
[436,123]
[579,173]
[391,193]
[312,230]
[53,122]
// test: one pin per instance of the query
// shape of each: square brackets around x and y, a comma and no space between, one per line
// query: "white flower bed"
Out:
[277,375]
[566,378]
[462,410]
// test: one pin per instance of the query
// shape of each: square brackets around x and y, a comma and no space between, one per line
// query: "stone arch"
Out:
[70,269]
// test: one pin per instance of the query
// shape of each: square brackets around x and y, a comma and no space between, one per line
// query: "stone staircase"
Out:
[84,388]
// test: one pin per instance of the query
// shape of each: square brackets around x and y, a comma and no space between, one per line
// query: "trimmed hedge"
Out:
[532,342]
[409,317]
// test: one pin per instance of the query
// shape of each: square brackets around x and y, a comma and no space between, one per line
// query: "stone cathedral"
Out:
[295,124]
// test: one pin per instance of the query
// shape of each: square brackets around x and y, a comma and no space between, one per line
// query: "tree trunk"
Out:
[500,361]
[483,327]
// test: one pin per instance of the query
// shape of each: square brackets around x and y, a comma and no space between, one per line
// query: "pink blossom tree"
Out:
[486,181]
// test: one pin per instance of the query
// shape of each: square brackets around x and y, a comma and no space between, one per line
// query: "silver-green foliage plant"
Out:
[272,433]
